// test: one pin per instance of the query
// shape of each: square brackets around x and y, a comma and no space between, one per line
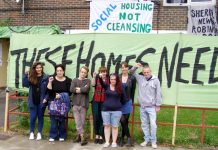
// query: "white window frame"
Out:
[189,2]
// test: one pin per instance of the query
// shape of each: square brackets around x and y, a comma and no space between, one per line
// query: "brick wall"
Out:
[74,14]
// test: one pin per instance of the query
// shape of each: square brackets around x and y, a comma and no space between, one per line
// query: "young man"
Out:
[150,99]
[80,89]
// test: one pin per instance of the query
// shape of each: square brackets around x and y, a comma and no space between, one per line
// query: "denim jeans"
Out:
[36,112]
[58,127]
[111,118]
[148,117]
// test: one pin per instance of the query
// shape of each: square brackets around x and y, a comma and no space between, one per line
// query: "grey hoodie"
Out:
[149,93]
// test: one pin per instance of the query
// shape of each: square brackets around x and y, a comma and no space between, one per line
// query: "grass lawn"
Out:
[185,136]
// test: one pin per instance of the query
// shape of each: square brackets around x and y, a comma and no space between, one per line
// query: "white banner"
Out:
[121,16]
[202,20]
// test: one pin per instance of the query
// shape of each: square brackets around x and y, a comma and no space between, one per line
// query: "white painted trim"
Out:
[213,2]
[152,32]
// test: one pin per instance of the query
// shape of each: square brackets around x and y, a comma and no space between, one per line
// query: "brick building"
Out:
[74,14]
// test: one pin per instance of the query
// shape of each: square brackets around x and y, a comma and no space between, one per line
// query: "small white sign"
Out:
[202,20]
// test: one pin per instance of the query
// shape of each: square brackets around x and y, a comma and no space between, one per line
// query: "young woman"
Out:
[80,88]
[36,81]
[97,103]
[111,111]
[57,85]
[128,83]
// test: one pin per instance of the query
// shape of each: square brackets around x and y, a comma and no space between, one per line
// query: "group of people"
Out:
[111,103]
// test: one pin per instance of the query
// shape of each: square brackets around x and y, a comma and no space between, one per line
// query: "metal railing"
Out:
[174,124]
[133,122]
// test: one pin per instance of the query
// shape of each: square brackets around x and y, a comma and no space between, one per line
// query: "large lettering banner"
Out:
[121,16]
[186,65]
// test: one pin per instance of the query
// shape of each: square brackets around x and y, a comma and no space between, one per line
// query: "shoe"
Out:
[114,145]
[129,142]
[106,145]
[61,139]
[96,141]
[78,139]
[51,140]
[31,136]
[121,142]
[143,144]
[83,141]
[39,136]
[154,145]
[100,141]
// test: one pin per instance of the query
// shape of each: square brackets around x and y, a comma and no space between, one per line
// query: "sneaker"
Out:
[51,140]
[114,145]
[154,145]
[31,136]
[129,142]
[106,145]
[100,141]
[121,143]
[96,141]
[78,139]
[61,139]
[83,140]
[143,144]
[39,136]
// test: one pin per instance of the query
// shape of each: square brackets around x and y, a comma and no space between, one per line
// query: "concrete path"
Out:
[19,142]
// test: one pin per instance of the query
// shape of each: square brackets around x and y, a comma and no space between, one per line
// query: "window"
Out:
[187,2]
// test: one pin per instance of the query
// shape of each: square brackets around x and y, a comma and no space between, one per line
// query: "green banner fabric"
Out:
[186,65]
[5,32]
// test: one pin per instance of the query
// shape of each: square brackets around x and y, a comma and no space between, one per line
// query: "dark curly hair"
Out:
[61,66]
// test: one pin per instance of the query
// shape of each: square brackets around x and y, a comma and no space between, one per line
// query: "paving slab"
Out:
[20,142]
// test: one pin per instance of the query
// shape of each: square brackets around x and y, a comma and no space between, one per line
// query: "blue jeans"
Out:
[36,112]
[148,114]
[58,127]
[111,118]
